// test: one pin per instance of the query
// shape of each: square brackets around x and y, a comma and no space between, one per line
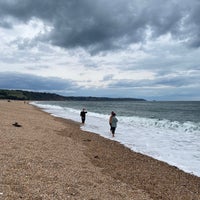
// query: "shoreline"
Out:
[158,138]
[158,178]
[52,158]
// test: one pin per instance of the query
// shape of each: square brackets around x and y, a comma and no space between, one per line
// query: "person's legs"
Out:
[83,120]
[113,131]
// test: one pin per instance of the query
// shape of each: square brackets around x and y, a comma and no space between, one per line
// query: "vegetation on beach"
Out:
[28,95]
[43,96]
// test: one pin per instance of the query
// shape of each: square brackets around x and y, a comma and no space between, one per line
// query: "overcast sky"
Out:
[122,48]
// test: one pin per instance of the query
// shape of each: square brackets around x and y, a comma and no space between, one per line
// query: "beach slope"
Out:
[43,157]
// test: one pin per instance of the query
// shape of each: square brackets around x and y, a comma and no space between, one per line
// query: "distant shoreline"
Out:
[43,96]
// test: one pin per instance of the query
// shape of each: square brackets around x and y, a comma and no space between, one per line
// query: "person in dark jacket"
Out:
[83,115]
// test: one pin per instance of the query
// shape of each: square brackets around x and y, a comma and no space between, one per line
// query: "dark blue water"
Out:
[173,110]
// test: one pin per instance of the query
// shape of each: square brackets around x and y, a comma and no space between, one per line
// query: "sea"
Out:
[168,131]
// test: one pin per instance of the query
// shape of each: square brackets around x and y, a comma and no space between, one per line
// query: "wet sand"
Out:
[51,158]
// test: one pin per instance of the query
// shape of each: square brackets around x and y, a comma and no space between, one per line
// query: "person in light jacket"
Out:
[113,123]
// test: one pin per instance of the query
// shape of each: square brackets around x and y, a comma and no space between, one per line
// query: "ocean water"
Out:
[166,131]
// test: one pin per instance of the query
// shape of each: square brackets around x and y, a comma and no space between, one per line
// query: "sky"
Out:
[146,49]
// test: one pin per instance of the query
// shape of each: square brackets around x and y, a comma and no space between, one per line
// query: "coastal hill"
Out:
[43,96]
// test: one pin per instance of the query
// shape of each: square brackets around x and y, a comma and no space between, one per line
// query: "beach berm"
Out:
[44,157]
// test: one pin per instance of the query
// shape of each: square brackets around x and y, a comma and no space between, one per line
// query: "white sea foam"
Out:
[173,142]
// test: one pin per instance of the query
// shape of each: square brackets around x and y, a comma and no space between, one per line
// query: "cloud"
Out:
[123,47]
[108,77]
[175,80]
[96,27]
[35,83]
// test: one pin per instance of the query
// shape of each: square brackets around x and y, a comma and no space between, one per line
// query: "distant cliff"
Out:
[26,95]
[43,96]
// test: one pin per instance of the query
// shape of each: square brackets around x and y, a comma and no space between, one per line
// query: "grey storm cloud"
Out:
[176,81]
[108,77]
[104,25]
[31,82]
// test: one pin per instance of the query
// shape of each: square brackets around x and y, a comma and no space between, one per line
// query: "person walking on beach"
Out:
[110,119]
[113,123]
[83,115]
